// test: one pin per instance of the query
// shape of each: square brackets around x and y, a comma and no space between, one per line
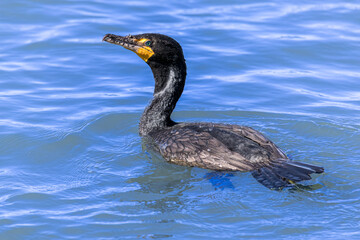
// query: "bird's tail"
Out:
[283,172]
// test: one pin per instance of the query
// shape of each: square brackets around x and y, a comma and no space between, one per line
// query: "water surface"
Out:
[73,166]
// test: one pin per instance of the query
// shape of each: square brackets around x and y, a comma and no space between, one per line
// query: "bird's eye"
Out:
[147,43]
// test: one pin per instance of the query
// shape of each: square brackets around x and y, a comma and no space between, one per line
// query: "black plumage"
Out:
[214,146]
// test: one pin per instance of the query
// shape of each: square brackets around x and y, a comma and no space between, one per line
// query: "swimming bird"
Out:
[214,146]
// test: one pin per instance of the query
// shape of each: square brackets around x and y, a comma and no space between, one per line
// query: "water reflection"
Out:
[163,184]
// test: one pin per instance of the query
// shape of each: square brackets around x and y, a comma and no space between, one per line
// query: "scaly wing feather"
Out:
[185,146]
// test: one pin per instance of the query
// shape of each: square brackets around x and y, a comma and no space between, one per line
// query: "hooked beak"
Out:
[131,43]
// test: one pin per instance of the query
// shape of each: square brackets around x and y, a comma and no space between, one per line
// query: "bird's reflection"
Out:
[220,180]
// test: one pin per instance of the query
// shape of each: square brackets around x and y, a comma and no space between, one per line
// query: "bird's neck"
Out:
[169,85]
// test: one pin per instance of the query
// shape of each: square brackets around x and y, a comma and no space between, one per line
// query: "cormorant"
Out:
[214,146]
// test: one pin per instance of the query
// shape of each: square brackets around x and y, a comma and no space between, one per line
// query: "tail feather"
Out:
[292,172]
[283,173]
[300,168]
[313,167]
[269,178]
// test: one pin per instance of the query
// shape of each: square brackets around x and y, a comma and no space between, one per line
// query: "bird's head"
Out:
[153,48]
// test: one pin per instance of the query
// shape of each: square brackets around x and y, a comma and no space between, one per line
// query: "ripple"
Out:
[16,66]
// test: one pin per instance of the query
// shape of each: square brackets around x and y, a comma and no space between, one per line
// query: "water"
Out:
[73,166]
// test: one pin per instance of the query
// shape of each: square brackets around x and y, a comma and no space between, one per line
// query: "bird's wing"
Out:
[185,146]
[257,137]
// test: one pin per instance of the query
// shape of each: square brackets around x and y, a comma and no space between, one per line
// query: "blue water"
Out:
[73,166]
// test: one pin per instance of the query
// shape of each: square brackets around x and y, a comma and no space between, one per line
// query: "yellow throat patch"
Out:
[144,52]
